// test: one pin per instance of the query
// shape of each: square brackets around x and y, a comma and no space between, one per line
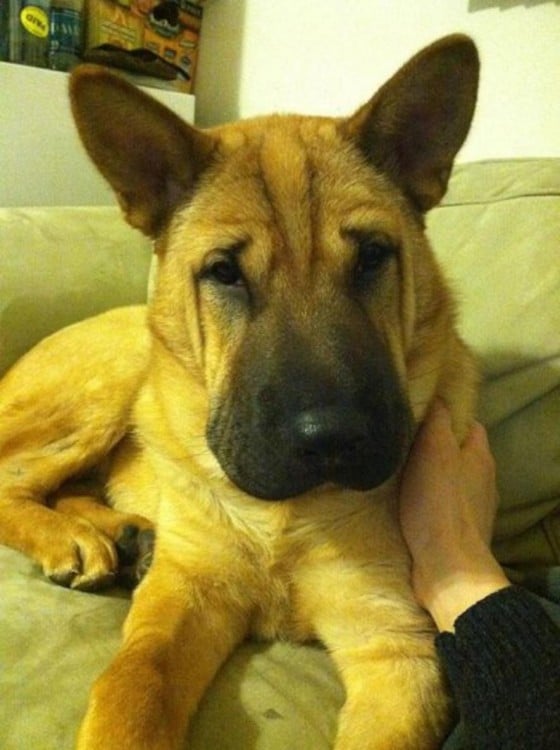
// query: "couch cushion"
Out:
[60,265]
[498,237]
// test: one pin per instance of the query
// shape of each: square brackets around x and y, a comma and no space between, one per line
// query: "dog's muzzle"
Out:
[321,410]
[280,458]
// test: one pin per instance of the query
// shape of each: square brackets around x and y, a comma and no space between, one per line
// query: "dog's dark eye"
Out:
[373,251]
[226,271]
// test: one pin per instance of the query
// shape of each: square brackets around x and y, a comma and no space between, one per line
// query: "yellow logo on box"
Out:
[35,21]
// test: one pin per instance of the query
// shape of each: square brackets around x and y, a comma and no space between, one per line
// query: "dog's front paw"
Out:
[394,704]
[82,557]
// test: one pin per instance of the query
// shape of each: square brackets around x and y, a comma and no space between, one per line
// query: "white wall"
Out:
[328,56]
[42,162]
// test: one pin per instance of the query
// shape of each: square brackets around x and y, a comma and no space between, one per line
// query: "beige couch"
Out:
[498,236]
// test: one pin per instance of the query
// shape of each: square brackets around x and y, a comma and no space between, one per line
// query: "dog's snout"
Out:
[299,422]
[329,436]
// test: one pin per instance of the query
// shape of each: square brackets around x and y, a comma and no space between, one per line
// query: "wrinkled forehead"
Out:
[291,178]
[287,175]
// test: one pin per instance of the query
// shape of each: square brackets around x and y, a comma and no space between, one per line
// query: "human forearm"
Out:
[503,666]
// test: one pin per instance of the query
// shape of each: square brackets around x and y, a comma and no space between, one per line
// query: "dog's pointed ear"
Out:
[150,157]
[415,124]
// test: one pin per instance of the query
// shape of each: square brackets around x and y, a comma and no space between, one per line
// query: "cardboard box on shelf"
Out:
[167,28]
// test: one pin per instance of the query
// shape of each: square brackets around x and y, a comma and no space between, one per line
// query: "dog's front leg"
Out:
[383,646]
[395,696]
[182,625]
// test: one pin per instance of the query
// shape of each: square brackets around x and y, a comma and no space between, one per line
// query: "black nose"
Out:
[329,438]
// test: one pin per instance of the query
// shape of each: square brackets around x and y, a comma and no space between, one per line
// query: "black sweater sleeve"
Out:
[503,663]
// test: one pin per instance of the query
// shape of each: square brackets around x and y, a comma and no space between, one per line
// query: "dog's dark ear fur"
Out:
[415,124]
[150,156]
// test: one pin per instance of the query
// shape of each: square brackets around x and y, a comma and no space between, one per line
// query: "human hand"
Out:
[448,503]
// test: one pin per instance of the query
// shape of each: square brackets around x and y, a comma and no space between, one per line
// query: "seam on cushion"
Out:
[510,160]
[502,199]
[517,368]
[519,177]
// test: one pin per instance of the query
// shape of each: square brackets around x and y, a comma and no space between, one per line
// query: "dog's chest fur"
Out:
[278,557]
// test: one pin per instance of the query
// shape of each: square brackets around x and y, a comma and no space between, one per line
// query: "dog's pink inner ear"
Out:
[150,157]
[415,124]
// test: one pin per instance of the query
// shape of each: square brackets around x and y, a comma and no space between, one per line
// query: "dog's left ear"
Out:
[150,156]
[415,124]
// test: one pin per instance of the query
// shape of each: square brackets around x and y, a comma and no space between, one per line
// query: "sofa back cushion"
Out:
[497,234]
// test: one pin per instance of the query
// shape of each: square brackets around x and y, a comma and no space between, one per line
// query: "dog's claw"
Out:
[63,577]
[93,580]
[75,579]
[93,583]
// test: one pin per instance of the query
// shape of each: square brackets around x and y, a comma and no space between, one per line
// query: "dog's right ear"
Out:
[414,126]
[150,157]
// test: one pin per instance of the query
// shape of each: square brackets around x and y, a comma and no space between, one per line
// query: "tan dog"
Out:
[299,330]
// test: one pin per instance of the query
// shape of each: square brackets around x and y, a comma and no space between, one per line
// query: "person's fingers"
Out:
[436,430]
[439,414]
[476,453]
[479,477]
[477,438]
